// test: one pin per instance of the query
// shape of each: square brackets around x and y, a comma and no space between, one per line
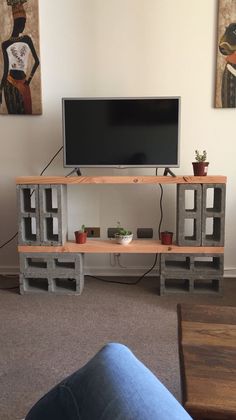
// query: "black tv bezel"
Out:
[167,165]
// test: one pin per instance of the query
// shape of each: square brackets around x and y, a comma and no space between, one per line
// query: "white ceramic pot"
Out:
[124,239]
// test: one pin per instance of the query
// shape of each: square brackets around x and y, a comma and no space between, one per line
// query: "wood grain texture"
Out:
[143,246]
[29,180]
[207,345]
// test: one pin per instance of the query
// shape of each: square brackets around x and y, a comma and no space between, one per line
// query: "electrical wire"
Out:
[161,211]
[9,240]
[156,256]
[49,163]
[9,276]
[126,283]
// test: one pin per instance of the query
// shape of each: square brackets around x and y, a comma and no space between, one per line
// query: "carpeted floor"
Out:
[44,338]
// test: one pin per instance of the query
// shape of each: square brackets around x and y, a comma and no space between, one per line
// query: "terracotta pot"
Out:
[166,238]
[200,168]
[80,237]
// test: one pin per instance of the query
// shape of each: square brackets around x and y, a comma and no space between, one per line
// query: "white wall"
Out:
[121,48]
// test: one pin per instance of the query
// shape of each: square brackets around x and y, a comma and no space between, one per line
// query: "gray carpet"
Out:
[44,338]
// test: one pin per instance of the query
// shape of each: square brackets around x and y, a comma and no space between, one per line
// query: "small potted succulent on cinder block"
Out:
[81,235]
[200,166]
[123,236]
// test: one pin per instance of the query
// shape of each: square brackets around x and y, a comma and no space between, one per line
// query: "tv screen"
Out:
[121,132]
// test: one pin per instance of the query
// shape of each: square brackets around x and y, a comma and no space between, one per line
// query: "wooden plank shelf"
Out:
[139,246]
[184,179]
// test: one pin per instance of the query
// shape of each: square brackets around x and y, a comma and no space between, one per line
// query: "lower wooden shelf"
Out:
[139,246]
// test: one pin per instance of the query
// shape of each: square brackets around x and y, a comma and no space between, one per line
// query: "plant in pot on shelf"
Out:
[200,166]
[81,235]
[123,236]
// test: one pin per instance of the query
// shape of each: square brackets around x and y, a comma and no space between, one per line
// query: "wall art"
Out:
[20,79]
[226,55]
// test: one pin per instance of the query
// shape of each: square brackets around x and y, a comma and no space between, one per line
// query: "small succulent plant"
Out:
[200,157]
[122,231]
[82,229]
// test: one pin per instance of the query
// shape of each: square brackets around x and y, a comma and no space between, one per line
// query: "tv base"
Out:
[168,171]
[77,170]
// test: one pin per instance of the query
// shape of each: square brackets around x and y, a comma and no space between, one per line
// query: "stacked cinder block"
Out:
[28,215]
[196,273]
[53,215]
[184,214]
[42,213]
[216,214]
[51,272]
[199,215]
[191,273]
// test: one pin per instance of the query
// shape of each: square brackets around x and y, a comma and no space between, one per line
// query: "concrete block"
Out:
[187,216]
[213,215]
[28,215]
[53,214]
[181,263]
[51,272]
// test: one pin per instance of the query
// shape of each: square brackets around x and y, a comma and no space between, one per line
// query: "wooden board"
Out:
[142,246]
[207,344]
[29,180]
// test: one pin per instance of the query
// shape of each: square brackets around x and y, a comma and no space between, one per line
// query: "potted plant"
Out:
[200,166]
[81,235]
[123,236]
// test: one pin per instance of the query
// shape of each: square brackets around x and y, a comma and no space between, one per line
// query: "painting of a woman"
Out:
[17,74]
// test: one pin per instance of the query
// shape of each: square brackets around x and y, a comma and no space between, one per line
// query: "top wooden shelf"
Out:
[184,179]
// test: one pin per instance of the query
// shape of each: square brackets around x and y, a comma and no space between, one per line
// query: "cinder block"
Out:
[53,214]
[63,285]
[30,284]
[192,284]
[192,215]
[208,264]
[174,283]
[177,263]
[52,272]
[208,285]
[213,217]
[28,215]
[191,273]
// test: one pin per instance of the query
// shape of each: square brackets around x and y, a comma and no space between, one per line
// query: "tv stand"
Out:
[48,261]
[75,170]
[168,171]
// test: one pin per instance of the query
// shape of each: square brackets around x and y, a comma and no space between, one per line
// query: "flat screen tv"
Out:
[121,132]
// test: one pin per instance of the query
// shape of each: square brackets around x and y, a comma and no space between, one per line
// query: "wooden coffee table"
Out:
[207,348]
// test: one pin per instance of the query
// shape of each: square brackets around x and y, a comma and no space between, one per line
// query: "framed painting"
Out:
[226,55]
[20,78]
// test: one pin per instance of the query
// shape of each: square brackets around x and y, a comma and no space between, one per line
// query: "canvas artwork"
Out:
[226,55]
[20,79]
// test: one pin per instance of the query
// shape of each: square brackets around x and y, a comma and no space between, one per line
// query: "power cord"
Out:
[9,276]
[126,283]
[156,256]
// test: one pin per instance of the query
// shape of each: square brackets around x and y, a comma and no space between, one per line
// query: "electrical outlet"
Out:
[111,232]
[93,232]
[144,233]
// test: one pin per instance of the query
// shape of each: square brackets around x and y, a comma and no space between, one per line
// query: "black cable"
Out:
[126,283]
[9,240]
[14,236]
[155,261]
[49,163]
[161,210]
